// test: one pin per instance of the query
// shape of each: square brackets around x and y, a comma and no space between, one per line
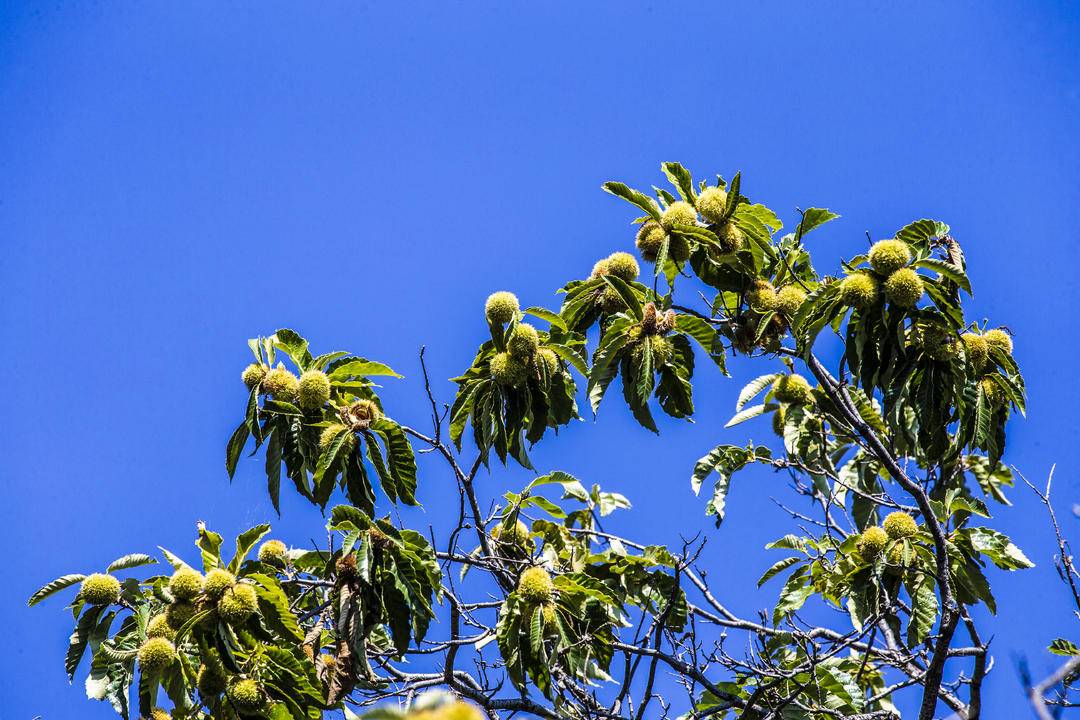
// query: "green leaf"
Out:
[546,505]
[235,447]
[327,460]
[634,197]
[400,457]
[1061,646]
[776,569]
[605,366]
[274,447]
[244,542]
[53,587]
[946,270]
[725,460]
[209,543]
[360,368]
[924,610]
[274,606]
[813,218]
[576,359]
[374,454]
[753,388]
[750,412]
[920,232]
[705,335]
[295,346]
[681,179]
[789,542]
[544,314]
[733,195]
[130,561]
[325,359]
[793,595]
[572,487]
[79,638]
[841,690]
[629,296]
[580,583]
[999,548]
[868,410]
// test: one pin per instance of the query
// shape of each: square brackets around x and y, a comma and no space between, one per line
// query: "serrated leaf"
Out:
[793,595]
[924,611]
[544,314]
[776,569]
[130,561]
[244,542]
[868,410]
[999,548]
[634,197]
[751,412]
[55,586]
[274,606]
[705,335]
[753,388]
[295,346]
[724,460]
[629,296]
[813,218]
[920,232]
[1061,646]
[360,368]
[235,447]
[946,270]
[681,179]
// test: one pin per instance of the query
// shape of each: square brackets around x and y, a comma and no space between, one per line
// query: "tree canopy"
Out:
[526,605]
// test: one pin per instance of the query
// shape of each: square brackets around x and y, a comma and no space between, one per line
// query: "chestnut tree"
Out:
[526,606]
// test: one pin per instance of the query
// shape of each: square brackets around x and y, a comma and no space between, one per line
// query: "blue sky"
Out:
[178,178]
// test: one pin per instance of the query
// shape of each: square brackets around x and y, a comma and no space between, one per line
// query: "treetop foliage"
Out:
[526,605]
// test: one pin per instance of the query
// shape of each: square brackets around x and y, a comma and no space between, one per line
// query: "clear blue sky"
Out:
[179,177]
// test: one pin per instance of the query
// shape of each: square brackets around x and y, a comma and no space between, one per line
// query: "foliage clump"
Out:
[908,412]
